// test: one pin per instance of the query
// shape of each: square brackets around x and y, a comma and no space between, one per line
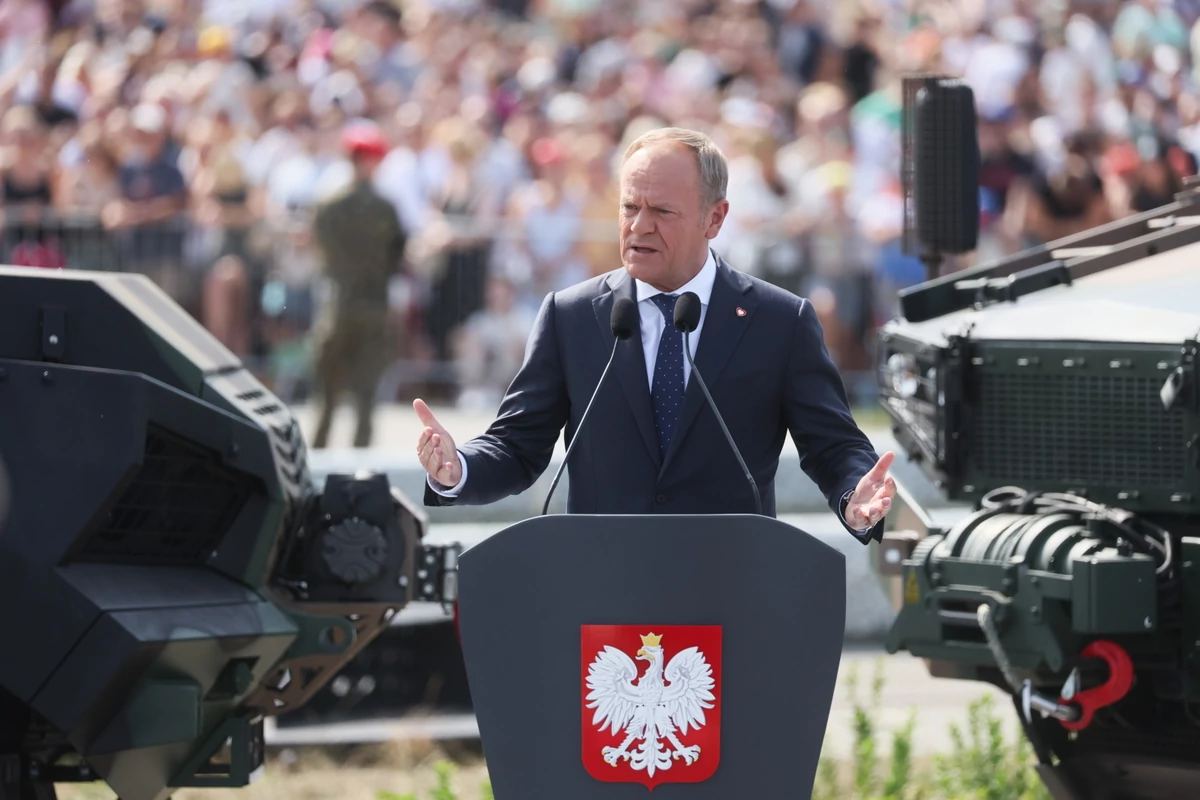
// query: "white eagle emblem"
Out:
[646,708]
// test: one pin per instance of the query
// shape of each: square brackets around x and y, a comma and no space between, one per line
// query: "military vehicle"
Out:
[1053,396]
[170,576]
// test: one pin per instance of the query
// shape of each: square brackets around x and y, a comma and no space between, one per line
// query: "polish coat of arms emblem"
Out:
[651,703]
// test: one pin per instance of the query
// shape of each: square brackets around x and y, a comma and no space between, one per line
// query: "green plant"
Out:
[866,781]
[444,770]
[865,756]
[901,782]
[982,766]
[826,784]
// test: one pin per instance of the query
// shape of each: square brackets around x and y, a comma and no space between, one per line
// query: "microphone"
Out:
[624,322]
[687,319]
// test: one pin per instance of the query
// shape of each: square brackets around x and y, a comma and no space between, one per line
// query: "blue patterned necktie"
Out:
[666,390]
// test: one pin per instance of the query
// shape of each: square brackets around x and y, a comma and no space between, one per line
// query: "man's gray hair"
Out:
[714,170]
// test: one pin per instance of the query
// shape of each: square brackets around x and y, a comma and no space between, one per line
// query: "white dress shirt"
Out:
[653,323]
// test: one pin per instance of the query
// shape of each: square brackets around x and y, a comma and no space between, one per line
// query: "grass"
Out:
[981,764]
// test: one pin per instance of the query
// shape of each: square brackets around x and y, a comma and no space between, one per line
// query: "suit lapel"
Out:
[719,337]
[630,363]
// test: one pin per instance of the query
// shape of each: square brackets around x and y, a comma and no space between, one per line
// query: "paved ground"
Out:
[907,684]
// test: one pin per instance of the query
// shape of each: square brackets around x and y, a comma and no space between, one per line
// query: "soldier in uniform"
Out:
[361,244]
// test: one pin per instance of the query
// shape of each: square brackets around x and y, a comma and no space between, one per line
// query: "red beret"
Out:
[365,140]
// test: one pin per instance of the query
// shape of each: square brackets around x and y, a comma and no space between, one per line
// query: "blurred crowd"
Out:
[191,140]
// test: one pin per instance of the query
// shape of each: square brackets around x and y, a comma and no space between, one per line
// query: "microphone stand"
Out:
[583,419]
[687,351]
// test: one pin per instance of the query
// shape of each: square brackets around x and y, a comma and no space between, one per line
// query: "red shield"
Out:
[651,702]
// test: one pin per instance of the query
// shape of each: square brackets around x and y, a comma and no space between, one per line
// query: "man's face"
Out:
[665,227]
[366,164]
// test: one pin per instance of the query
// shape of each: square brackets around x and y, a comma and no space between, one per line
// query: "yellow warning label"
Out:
[912,592]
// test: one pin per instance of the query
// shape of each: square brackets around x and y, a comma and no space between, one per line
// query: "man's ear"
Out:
[716,218]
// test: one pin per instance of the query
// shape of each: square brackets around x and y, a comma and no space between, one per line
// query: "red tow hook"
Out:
[1120,680]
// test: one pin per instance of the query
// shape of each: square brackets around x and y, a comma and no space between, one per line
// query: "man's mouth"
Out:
[643,250]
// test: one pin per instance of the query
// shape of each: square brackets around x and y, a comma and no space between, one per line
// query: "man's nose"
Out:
[642,222]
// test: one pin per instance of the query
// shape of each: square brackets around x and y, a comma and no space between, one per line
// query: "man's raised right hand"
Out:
[435,448]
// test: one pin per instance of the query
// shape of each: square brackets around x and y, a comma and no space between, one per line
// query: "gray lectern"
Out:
[694,656]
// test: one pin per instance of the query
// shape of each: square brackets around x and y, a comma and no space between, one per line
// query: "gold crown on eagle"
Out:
[650,640]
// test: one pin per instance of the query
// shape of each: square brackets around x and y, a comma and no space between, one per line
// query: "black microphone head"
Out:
[687,312]
[624,318]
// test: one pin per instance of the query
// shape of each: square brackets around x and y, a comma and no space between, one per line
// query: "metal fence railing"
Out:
[454,335]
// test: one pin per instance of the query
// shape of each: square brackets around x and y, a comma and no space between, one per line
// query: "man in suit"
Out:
[651,444]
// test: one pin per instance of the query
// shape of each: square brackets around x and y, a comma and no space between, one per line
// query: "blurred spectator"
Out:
[491,346]
[195,141]
[23,23]
[840,262]
[861,59]
[1155,178]
[283,138]
[457,241]
[26,177]
[597,183]
[219,189]
[26,191]
[92,183]
[547,216]
[153,195]
[1003,164]
[390,60]
[226,305]
[400,178]
[802,41]
[1059,203]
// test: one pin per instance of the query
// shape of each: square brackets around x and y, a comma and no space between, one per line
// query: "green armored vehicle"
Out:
[1055,395]
[170,576]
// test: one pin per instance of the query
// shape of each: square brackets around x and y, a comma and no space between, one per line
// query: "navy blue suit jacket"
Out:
[768,371]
